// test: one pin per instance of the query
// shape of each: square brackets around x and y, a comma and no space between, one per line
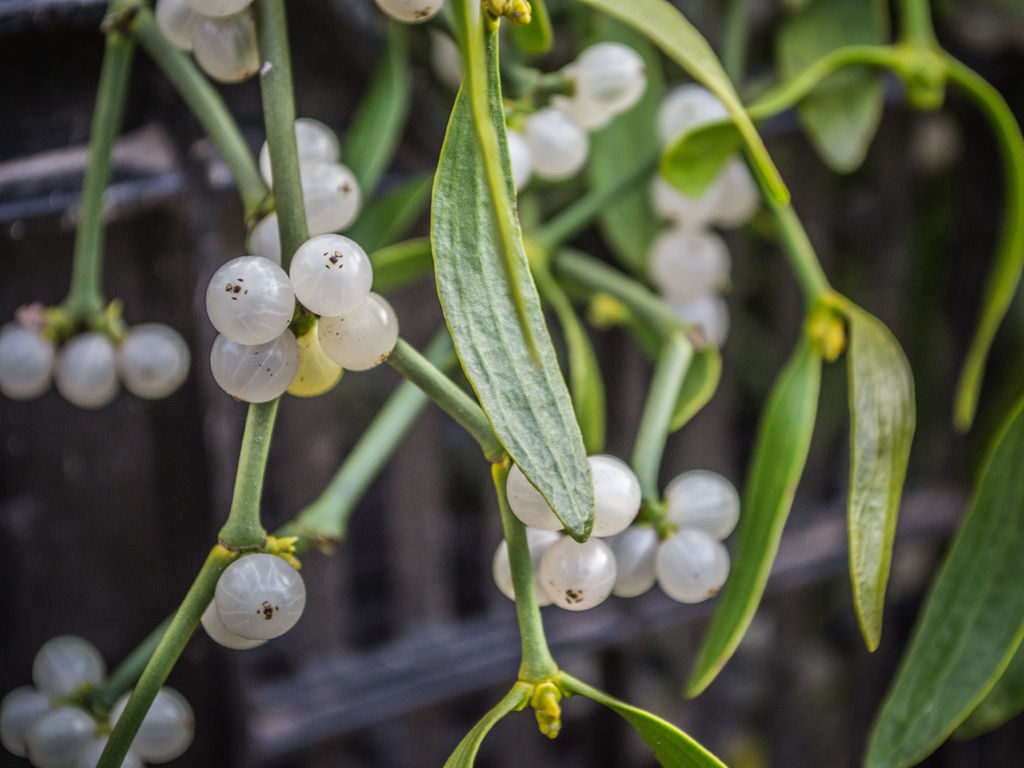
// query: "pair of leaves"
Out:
[479,277]
[971,624]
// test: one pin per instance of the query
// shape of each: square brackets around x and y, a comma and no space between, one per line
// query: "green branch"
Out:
[813,283]
[916,25]
[243,529]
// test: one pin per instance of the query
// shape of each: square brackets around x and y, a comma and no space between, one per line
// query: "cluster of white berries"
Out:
[45,723]
[690,565]
[410,11]
[151,360]
[606,79]
[221,34]
[688,262]
[258,597]
[330,191]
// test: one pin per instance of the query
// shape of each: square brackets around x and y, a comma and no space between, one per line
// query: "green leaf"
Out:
[401,264]
[672,747]
[841,116]
[698,387]
[585,381]
[465,754]
[537,36]
[628,226]
[1004,701]
[882,417]
[779,457]
[971,623]
[376,128]
[694,159]
[668,29]
[523,394]
[389,216]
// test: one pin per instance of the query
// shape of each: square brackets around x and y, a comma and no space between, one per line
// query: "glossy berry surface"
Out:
[538,543]
[708,312]
[177,21]
[691,566]
[64,663]
[558,147]
[152,361]
[362,338]
[705,501]
[331,275]
[682,210]
[18,710]
[314,142]
[410,11]
[218,7]
[226,48]
[617,495]
[527,503]
[250,300]
[578,576]
[610,74]
[260,596]
[687,107]
[166,730]
[634,549]
[26,362]
[519,158]
[221,635]
[331,195]
[86,371]
[56,737]
[255,373]
[687,263]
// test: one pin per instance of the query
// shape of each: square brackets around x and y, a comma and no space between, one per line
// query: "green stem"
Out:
[801,255]
[129,670]
[453,400]
[167,652]
[669,372]
[1006,272]
[243,529]
[279,117]
[916,25]
[537,664]
[209,108]
[326,519]
[734,39]
[85,295]
[597,277]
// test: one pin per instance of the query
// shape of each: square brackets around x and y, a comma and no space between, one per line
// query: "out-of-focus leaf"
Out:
[882,418]
[972,621]
[388,216]
[521,390]
[537,36]
[401,264]
[698,387]
[842,115]
[672,747]
[779,457]
[694,159]
[465,754]
[1004,701]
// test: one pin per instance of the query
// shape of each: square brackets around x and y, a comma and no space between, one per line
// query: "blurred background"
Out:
[106,516]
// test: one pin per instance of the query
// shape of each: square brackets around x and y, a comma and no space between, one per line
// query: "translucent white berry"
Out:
[737,197]
[250,300]
[26,362]
[153,360]
[527,504]
[410,11]
[166,730]
[686,263]
[610,74]
[519,158]
[18,710]
[687,107]
[558,147]
[260,596]
[331,194]
[331,274]
[682,210]
[86,371]
[265,239]
[317,373]
[89,755]
[64,663]
[177,21]
[634,551]
[314,141]
[220,634]
[56,737]
[538,542]
[226,48]
[255,373]
[362,338]
[709,313]
[616,495]
[588,114]
[445,59]
[705,501]
[218,7]
[578,576]
[691,566]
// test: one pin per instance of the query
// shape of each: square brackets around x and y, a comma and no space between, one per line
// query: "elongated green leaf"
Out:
[672,747]
[779,457]
[842,115]
[629,225]
[537,36]
[376,128]
[972,621]
[882,418]
[401,264]
[1004,701]
[694,159]
[667,28]
[698,387]
[388,216]
[523,394]
[465,754]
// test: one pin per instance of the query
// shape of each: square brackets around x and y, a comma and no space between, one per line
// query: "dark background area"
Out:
[106,516]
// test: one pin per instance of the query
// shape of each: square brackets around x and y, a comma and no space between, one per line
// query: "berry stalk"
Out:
[243,529]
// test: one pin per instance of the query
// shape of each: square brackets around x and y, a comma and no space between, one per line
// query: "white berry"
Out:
[691,566]
[265,239]
[634,551]
[18,710]
[737,195]
[709,313]
[578,576]
[220,634]
[89,755]
[686,263]
[362,338]
[687,107]
[683,210]
[177,21]
[226,48]
[617,495]
[410,11]
[538,542]
[250,300]
[519,158]
[260,596]
[56,737]
[64,664]
[255,373]
[26,362]
[527,503]
[218,7]
[153,360]
[588,114]
[331,274]
[314,141]
[445,59]
[705,501]
[610,74]
[166,730]
[86,371]
[558,147]
[331,194]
